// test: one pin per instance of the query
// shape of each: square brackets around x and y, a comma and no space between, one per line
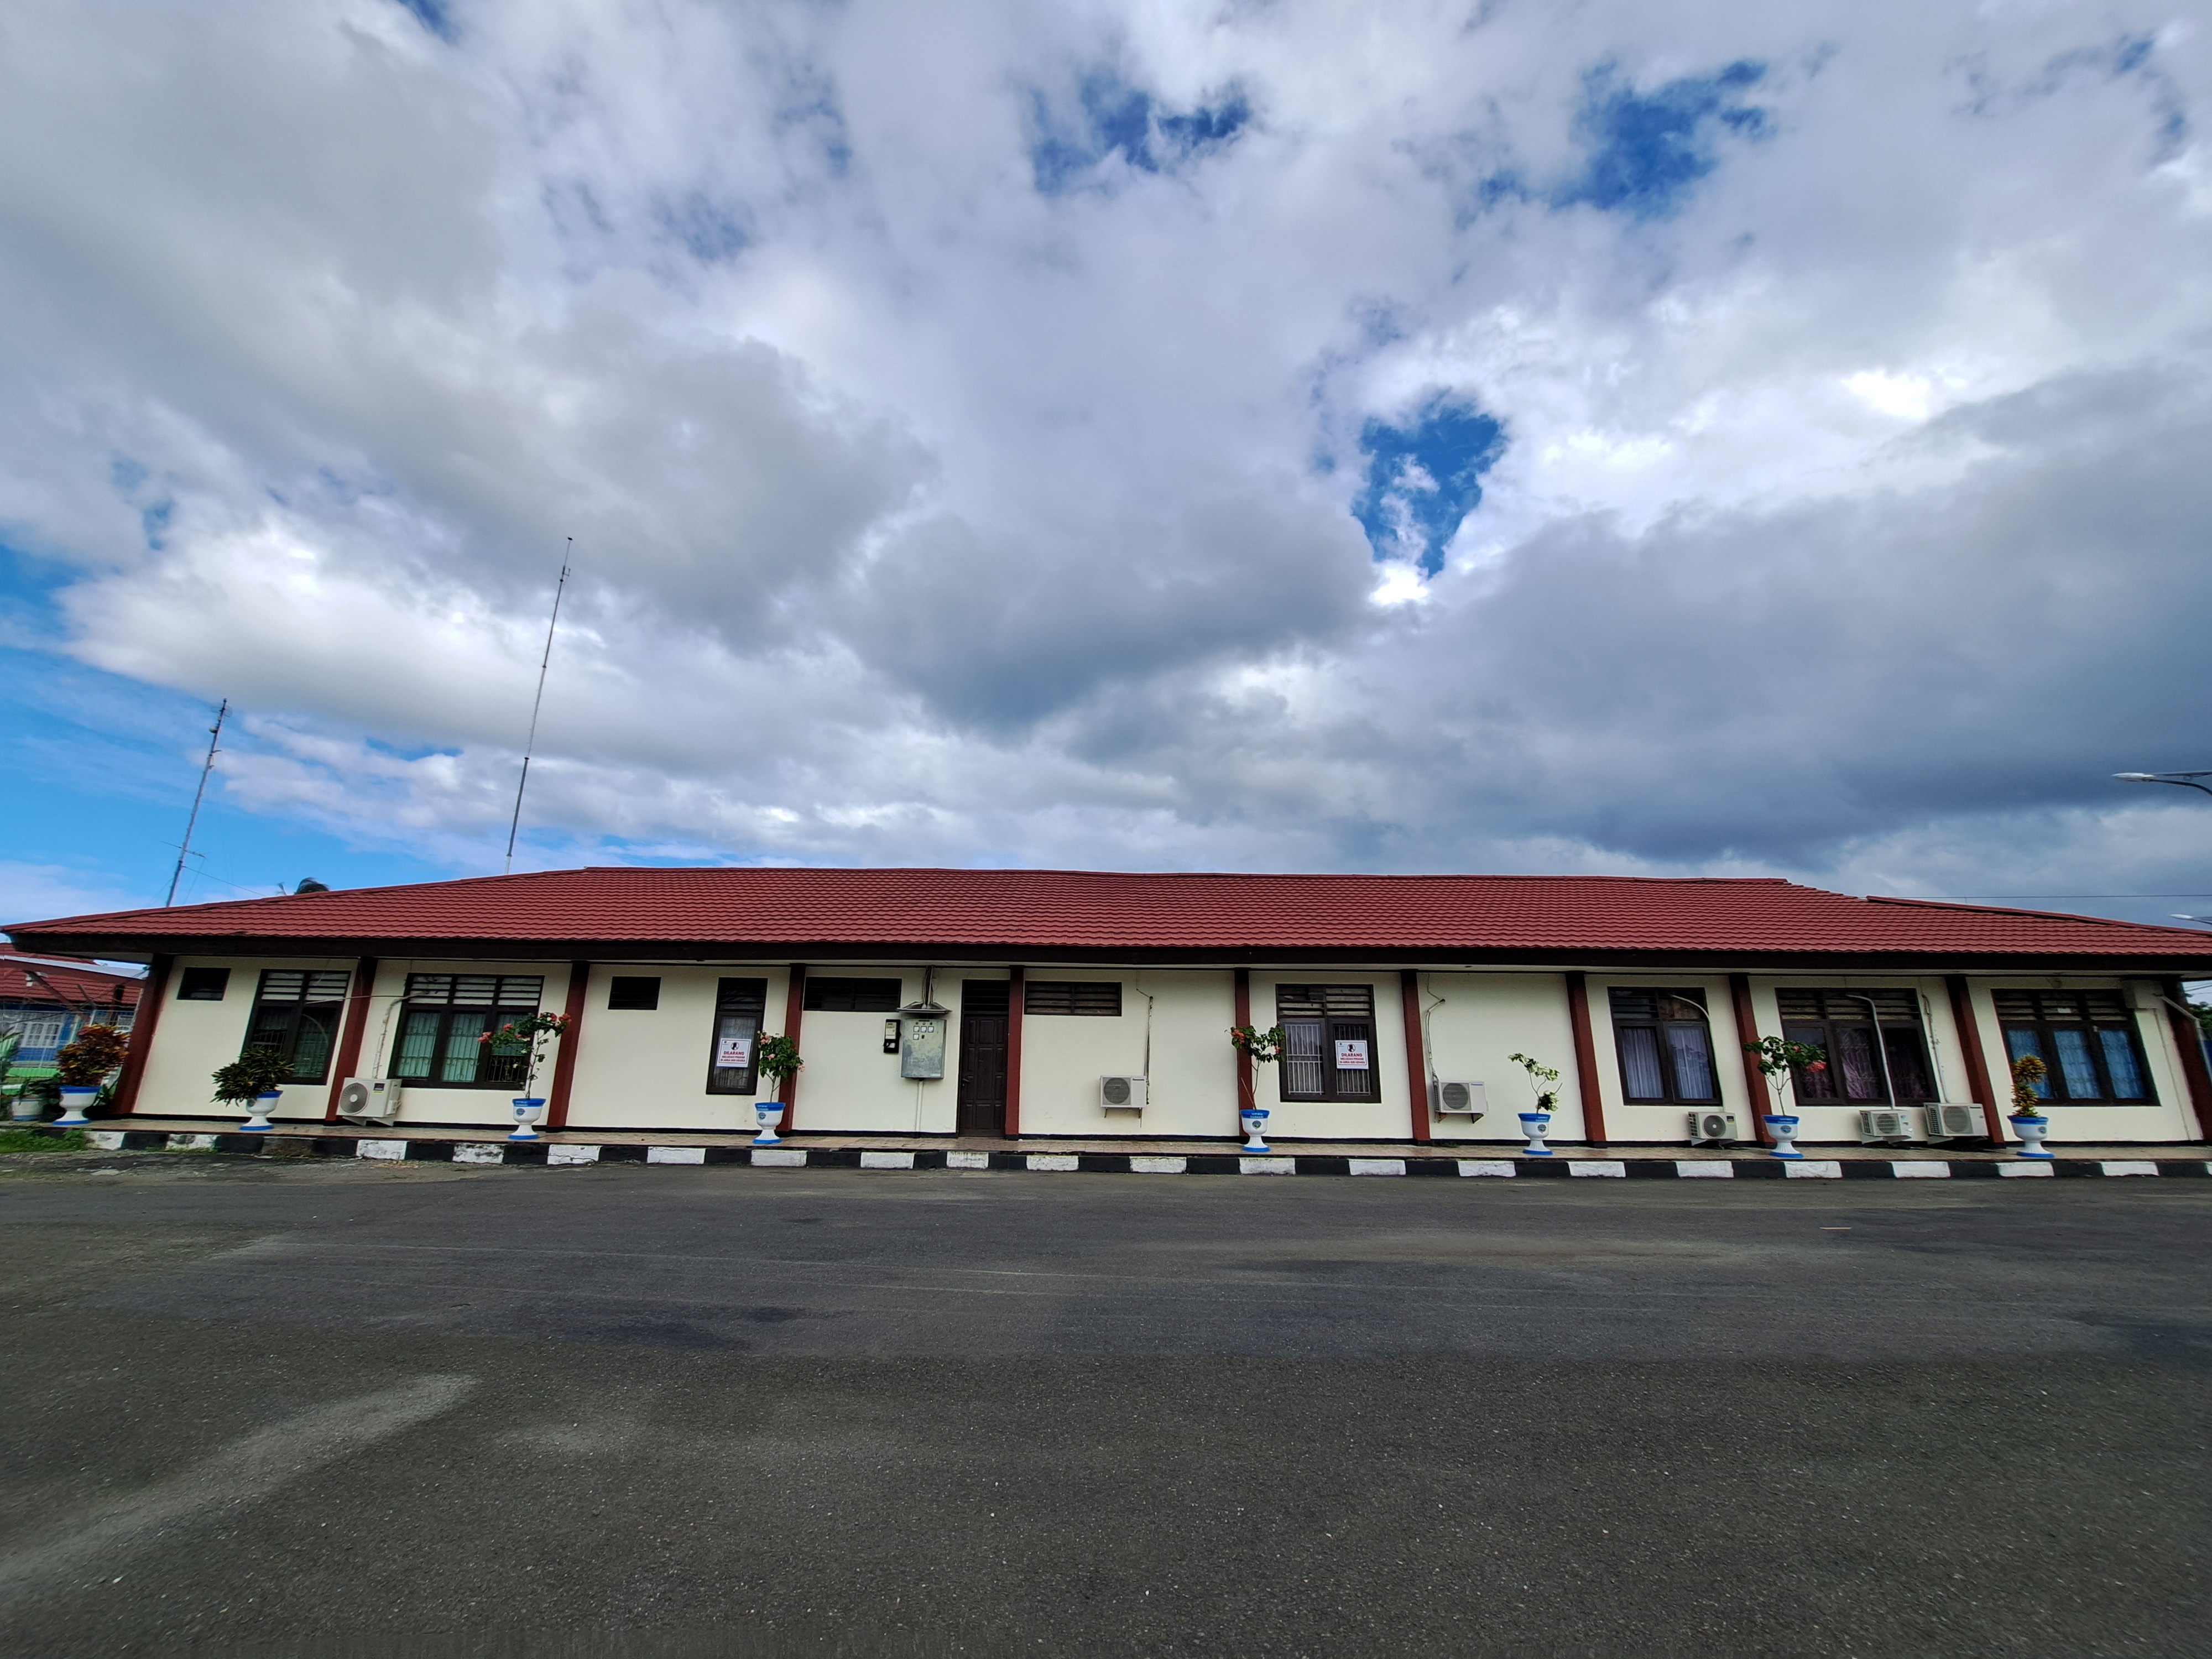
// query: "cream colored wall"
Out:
[851,1086]
[646,1068]
[1817,1122]
[2170,1119]
[470,1107]
[1482,1018]
[1390,1118]
[191,1039]
[1191,1075]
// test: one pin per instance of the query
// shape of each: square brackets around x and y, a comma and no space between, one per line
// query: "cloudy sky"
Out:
[1634,436]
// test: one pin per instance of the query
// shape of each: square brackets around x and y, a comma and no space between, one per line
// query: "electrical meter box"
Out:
[921,1040]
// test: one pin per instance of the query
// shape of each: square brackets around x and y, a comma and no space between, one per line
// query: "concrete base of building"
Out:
[574,1149]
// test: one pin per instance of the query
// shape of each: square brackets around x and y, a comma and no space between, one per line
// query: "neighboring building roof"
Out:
[1068,916]
[82,982]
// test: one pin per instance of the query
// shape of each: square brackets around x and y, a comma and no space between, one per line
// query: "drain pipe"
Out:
[1881,1048]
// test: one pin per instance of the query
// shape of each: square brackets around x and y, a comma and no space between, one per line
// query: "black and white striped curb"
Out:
[567,1153]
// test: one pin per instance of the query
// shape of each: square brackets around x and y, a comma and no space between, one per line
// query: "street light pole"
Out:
[2178,780]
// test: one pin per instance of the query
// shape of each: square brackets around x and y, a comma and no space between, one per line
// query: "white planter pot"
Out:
[2030,1130]
[1535,1126]
[1782,1125]
[23,1109]
[1255,1129]
[262,1106]
[768,1114]
[529,1112]
[74,1101]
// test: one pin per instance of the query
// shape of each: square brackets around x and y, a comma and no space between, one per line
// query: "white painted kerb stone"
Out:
[1267,1166]
[561,1152]
[1704,1169]
[1814,1169]
[2112,1168]
[1384,1166]
[778,1157]
[2016,1169]
[1142,1165]
[887,1160]
[675,1155]
[109,1141]
[477,1151]
[1598,1166]
[393,1149]
[1485,1166]
[963,1160]
[1055,1163]
[1919,1168]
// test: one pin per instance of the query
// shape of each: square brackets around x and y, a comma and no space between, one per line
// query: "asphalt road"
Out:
[427,1410]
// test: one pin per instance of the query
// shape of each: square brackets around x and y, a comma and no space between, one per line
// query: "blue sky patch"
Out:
[1112,118]
[435,15]
[1648,149]
[1424,477]
[708,230]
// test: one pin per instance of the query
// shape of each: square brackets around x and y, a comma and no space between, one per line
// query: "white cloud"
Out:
[1848,510]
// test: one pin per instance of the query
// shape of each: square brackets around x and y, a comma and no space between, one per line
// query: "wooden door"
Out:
[984,1007]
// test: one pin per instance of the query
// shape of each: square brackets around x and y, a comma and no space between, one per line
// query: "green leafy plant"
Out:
[1542,1079]
[41,1140]
[1780,1061]
[90,1056]
[2027,1074]
[254,1074]
[1260,1047]
[530,1036]
[777,1057]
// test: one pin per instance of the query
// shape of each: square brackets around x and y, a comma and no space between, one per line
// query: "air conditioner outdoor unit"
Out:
[1886,1123]
[1949,1120]
[370,1099]
[1457,1097]
[1121,1094]
[1712,1129]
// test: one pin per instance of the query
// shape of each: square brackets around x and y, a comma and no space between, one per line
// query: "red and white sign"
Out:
[733,1052]
[1351,1054]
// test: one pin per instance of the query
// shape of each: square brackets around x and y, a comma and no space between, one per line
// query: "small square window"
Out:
[203,984]
[633,991]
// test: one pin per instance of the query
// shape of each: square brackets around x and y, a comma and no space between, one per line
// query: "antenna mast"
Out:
[215,736]
[529,743]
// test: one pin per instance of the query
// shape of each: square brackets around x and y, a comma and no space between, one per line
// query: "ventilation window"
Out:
[203,984]
[1100,999]
[633,991]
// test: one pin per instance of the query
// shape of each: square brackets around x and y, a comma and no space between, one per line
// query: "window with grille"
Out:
[1666,1048]
[1328,1042]
[445,1020]
[1877,1054]
[296,1011]
[734,1066]
[853,996]
[1099,998]
[2086,1041]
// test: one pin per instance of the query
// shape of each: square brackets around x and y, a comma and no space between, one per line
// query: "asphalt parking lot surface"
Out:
[424,1409]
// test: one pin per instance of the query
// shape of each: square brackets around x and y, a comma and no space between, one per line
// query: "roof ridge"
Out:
[2047,915]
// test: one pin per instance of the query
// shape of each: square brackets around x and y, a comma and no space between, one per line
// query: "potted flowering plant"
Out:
[1779,1061]
[251,1081]
[2028,1121]
[1543,1083]
[84,1063]
[531,1038]
[1261,1048]
[777,1059]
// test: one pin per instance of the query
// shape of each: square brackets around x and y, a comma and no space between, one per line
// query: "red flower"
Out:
[1818,1065]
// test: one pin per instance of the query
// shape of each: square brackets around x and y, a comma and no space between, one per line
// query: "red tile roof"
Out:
[1033,912]
[78,981]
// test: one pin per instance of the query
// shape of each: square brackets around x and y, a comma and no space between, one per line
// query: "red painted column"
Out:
[564,1062]
[1417,1061]
[1754,1080]
[1246,1097]
[1976,1061]
[795,1013]
[2192,1044]
[350,1034]
[1012,1124]
[151,995]
[1586,1060]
